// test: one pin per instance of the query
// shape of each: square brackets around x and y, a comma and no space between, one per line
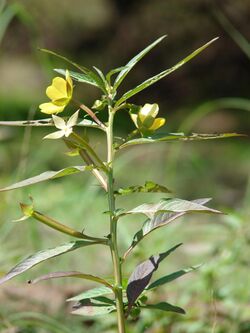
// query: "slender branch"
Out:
[90,113]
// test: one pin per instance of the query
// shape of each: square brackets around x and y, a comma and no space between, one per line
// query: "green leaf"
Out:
[149,187]
[102,77]
[142,274]
[134,61]
[47,122]
[164,307]
[171,137]
[79,77]
[171,205]
[171,277]
[79,275]
[100,291]
[159,220]
[114,71]
[161,75]
[93,307]
[41,256]
[47,176]
[85,70]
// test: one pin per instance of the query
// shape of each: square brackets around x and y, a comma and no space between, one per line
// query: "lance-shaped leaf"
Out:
[159,220]
[79,275]
[148,187]
[47,122]
[95,292]
[171,205]
[93,307]
[161,75]
[127,68]
[173,137]
[44,255]
[142,274]
[171,277]
[47,176]
[79,77]
[164,307]
[90,74]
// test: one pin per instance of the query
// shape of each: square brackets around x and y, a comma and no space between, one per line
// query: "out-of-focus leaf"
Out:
[93,307]
[79,275]
[47,176]
[159,220]
[47,122]
[171,205]
[161,75]
[164,307]
[142,274]
[172,137]
[100,291]
[171,277]
[5,18]
[127,68]
[41,256]
[149,187]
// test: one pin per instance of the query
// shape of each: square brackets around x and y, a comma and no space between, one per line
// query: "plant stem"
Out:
[113,227]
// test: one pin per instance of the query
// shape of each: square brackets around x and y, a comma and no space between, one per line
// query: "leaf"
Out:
[85,70]
[172,137]
[149,187]
[161,75]
[164,307]
[171,277]
[171,205]
[79,77]
[43,255]
[74,274]
[99,291]
[159,220]
[47,122]
[134,61]
[101,75]
[93,308]
[142,274]
[47,176]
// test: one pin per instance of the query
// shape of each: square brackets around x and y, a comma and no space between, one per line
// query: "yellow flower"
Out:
[60,92]
[145,119]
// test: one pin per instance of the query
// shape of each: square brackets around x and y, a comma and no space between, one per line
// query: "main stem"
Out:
[113,227]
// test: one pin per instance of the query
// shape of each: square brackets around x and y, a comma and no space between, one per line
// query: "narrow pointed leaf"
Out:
[100,291]
[47,176]
[46,122]
[164,307]
[142,274]
[44,255]
[173,137]
[171,205]
[161,75]
[148,187]
[134,61]
[93,308]
[79,275]
[159,220]
[79,77]
[171,277]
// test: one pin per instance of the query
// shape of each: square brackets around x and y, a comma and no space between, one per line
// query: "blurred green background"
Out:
[209,94]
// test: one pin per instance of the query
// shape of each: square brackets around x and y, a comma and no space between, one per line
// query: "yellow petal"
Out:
[148,110]
[134,118]
[58,89]
[69,84]
[51,108]
[159,122]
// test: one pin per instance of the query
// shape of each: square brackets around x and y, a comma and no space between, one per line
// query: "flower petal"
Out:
[59,122]
[51,108]
[149,110]
[55,135]
[69,84]
[159,122]
[73,119]
[58,89]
